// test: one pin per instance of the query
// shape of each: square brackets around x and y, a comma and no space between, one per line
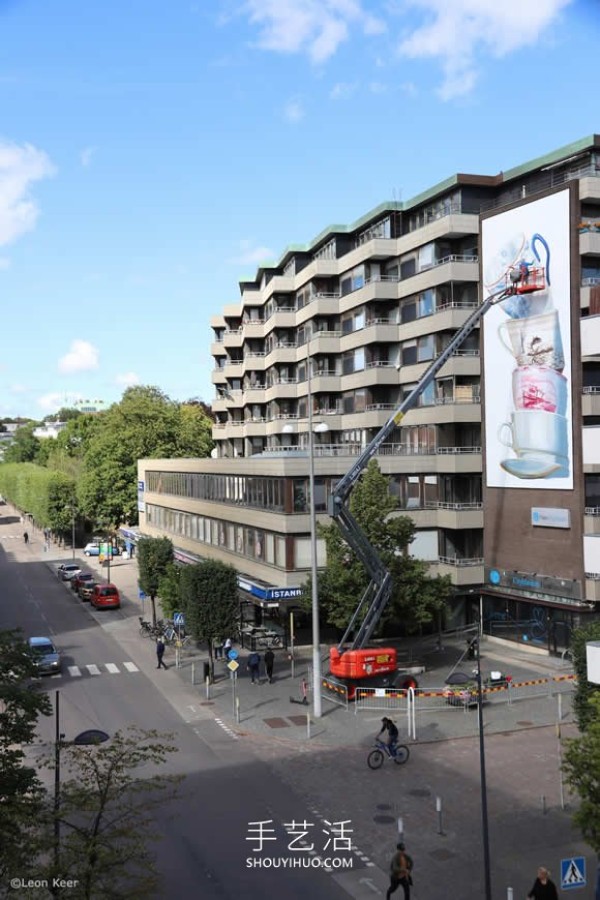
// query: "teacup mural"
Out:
[527,347]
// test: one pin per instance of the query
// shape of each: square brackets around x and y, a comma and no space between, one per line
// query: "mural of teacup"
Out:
[535,341]
[540,442]
[540,387]
[520,253]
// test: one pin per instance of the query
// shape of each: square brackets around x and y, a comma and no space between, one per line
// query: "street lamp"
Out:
[90,737]
[461,678]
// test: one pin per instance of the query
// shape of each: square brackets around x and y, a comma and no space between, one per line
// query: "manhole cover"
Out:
[383,806]
[442,854]
[207,703]
[525,723]
[420,792]
[384,820]
[276,723]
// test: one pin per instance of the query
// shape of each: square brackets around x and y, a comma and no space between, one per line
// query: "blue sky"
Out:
[152,154]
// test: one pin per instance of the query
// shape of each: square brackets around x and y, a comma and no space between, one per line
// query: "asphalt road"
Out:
[205,835]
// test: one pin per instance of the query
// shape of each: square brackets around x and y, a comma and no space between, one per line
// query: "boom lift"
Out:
[355,662]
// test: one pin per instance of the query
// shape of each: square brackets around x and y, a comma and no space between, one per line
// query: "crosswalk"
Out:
[100,669]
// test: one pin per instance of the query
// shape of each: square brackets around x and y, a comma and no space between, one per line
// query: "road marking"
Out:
[112,668]
[93,670]
[226,728]
[74,671]
[131,667]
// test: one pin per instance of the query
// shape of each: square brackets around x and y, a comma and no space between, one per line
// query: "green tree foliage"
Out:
[416,599]
[47,495]
[21,793]
[154,556]
[108,812]
[585,689]
[24,447]
[169,590]
[64,414]
[209,599]
[581,764]
[145,424]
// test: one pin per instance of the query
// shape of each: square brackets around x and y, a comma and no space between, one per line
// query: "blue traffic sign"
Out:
[572,873]
[178,619]
[141,594]
[233,654]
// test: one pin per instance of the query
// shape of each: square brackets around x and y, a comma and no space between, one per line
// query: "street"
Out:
[204,835]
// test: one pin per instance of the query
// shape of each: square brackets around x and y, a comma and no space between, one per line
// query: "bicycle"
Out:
[376,758]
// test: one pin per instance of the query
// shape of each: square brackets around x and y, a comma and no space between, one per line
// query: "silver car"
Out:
[66,571]
[46,656]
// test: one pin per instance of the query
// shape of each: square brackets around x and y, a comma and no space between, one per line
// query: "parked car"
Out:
[105,596]
[86,590]
[80,578]
[66,571]
[93,549]
[46,656]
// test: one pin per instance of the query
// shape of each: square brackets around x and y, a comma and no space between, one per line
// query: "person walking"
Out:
[227,647]
[543,888]
[269,660]
[160,652]
[25,538]
[400,869]
[254,667]
[219,648]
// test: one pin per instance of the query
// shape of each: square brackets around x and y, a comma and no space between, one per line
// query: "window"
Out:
[426,348]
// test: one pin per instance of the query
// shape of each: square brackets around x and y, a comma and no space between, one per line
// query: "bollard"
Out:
[509,893]
[237,710]
[193,673]
[544,810]
[400,828]
[438,809]
[208,687]
[308,725]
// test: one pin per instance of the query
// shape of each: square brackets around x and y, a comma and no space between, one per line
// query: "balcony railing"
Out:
[454,450]
[455,257]
[592,511]
[254,354]
[445,401]
[591,389]
[375,407]
[590,281]
[460,562]
[441,504]
[443,305]
[380,364]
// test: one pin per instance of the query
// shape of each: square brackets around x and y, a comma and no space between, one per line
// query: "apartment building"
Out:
[349,322]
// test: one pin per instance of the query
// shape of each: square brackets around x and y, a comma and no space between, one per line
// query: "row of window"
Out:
[243,490]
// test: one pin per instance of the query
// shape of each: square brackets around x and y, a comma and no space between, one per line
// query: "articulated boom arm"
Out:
[377,594]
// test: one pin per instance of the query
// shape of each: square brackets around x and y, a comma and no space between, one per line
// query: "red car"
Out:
[80,579]
[106,596]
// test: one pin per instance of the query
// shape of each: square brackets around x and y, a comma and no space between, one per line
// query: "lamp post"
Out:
[460,678]
[85,738]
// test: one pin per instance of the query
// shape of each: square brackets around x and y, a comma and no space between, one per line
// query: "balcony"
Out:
[590,337]
[591,520]
[456,408]
[456,267]
[462,572]
[233,337]
[447,317]
[438,514]
[590,401]
[589,243]
[253,328]
[591,449]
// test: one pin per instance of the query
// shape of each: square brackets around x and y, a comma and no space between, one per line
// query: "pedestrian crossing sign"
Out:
[572,873]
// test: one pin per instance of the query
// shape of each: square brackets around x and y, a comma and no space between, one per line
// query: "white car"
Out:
[66,571]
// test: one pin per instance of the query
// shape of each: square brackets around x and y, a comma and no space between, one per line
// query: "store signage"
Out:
[550,517]
[532,582]
[269,593]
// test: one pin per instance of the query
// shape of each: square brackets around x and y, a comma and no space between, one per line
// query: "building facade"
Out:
[349,323]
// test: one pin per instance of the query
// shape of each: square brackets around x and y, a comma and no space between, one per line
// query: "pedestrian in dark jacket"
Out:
[400,869]
[269,660]
[254,667]
[543,888]
[160,652]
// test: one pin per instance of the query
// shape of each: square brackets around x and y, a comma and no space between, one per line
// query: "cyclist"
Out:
[392,732]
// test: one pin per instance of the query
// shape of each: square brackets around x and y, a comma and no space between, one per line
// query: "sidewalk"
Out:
[276,710]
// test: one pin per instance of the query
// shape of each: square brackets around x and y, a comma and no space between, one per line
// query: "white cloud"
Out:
[458,32]
[82,357]
[342,90]
[251,254]
[56,400]
[4,263]
[85,157]
[127,379]
[293,111]
[315,27]
[20,167]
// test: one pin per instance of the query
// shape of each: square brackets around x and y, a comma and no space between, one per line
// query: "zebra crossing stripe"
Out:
[93,670]
[74,671]
[112,668]
[131,667]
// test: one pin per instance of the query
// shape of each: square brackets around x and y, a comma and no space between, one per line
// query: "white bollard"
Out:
[509,893]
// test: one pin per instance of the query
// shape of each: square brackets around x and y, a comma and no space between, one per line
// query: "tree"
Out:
[169,589]
[209,599]
[581,765]
[416,599]
[585,689]
[21,792]
[108,810]
[155,555]
[24,446]
[145,424]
